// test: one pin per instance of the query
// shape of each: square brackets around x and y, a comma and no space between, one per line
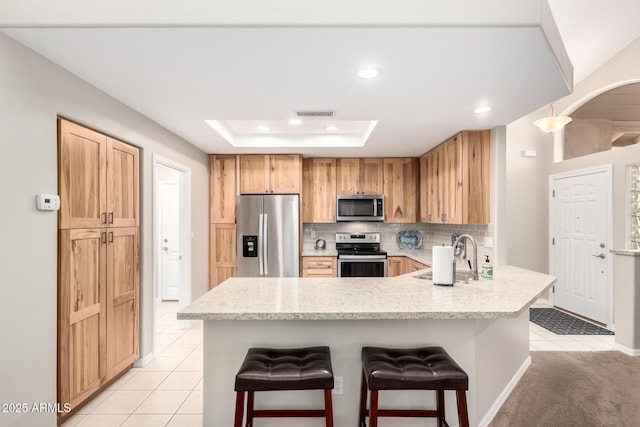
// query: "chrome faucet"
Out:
[474,269]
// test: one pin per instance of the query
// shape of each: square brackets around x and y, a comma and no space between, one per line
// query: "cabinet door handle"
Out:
[103,237]
[110,217]
[111,237]
[104,217]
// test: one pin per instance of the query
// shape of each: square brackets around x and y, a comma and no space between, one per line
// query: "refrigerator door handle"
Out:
[265,239]
[260,238]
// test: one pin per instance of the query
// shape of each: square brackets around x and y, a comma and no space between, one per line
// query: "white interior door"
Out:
[580,238]
[170,240]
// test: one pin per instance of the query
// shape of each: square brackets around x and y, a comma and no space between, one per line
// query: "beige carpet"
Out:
[581,389]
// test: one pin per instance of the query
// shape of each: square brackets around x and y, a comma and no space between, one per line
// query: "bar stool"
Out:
[267,369]
[426,368]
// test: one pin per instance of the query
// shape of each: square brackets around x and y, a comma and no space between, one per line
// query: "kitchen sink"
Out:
[461,276]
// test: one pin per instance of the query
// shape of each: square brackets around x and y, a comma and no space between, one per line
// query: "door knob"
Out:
[599,256]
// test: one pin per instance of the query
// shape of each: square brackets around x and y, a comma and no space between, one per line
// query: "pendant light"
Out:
[552,123]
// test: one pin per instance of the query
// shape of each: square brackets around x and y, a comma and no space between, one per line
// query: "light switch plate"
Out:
[47,202]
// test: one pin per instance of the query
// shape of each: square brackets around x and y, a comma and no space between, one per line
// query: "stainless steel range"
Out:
[359,255]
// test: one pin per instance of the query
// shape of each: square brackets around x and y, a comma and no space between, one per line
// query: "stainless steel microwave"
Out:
[360,207]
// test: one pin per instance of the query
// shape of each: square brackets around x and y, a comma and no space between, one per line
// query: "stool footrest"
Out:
[284,413]
[406,413]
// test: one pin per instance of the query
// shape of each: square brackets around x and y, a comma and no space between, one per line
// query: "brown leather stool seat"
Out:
[268,369]
[425,368]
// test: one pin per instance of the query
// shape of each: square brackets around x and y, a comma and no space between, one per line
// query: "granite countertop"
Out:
[511,291]
[627,252]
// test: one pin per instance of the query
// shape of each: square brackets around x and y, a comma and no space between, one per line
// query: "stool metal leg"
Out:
[239,409]
[463,415]
[440,403]
[363,401]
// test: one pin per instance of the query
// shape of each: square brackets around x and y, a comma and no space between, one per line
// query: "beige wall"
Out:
[527,179]
[34,91]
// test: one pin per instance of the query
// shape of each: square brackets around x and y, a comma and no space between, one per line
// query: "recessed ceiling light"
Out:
[295,122]
[482,109]
[331,128]
[368,73]
[263,128]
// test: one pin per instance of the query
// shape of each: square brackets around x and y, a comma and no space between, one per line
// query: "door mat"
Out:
[562,323]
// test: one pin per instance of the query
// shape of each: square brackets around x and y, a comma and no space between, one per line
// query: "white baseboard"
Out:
[493,411]
[141,363]
[626,350]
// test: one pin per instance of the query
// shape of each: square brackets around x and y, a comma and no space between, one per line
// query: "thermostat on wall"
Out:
[47,202]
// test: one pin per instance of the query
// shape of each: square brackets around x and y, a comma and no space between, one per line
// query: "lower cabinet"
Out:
[399,265]
[319,266]
[412,265]
[395,266]
[123,301]
[98,309]
[222,253]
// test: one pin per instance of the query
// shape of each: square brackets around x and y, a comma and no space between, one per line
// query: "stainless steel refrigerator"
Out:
[268,235]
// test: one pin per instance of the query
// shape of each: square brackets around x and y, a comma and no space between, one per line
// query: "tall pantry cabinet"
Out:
[98,256]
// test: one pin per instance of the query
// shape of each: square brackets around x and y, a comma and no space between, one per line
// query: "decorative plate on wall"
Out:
[409,239]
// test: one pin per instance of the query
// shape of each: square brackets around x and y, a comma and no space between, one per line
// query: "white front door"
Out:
[170,240]
[579,244]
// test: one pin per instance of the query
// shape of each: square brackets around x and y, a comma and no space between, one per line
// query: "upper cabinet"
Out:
[454,180]
[400,190]
[98,179]
[359,176]
[476,174]
[319,190]
[267,174]
[223,182]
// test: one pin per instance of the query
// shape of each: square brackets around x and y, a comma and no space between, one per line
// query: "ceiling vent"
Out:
[316,113]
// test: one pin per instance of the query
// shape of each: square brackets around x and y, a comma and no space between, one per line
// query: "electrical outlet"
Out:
[338,385]
[488,242]
[313,234]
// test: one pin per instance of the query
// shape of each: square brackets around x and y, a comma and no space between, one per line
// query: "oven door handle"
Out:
[362,257]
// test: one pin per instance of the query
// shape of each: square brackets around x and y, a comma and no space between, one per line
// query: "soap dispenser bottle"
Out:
[487,269]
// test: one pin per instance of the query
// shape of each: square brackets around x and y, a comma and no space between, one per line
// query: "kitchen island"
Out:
[483,325]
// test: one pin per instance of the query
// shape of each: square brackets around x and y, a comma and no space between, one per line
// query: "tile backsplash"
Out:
[432,234]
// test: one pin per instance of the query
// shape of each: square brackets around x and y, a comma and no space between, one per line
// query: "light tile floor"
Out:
[168,391]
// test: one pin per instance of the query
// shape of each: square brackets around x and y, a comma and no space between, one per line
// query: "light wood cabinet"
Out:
[451,179]
[319,266]
[223,187]
[359,176]
[431,165]
[411,265]
[395,266]
[319,190]
[398,265]
[222,242]
[454,180]
[267,174]
[123,299]
[476,176]
[81,314]
[122,184]
[98,179]
[98,259]
[400,190]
